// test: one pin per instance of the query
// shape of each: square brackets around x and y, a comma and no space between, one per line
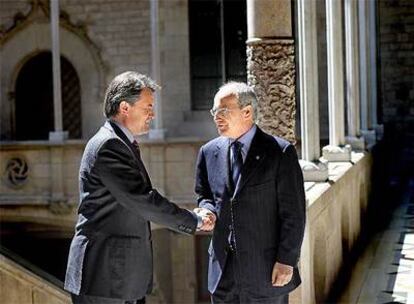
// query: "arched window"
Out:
[34,99]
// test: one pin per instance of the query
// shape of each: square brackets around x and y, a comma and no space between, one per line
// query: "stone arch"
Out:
[34,99]
[35,38]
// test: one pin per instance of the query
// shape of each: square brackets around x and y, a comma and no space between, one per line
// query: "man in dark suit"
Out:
[253,183]
[110,258]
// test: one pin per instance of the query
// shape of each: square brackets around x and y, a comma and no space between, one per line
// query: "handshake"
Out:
[208,219]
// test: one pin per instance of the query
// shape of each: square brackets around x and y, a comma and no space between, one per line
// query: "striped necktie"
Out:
[237,161]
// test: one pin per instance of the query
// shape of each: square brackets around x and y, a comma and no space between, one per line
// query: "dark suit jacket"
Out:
[111,252]
[268,208]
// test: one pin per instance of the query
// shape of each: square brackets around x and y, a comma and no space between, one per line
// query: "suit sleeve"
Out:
[121,176]
[202,187]
[292,207]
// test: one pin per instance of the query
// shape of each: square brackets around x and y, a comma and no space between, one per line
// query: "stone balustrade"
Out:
[335,209]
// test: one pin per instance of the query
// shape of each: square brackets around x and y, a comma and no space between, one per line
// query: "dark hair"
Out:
[126,87]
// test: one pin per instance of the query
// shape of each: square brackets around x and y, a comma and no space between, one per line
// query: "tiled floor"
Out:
[385,271]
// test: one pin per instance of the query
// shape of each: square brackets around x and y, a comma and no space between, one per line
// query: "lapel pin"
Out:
[257,157]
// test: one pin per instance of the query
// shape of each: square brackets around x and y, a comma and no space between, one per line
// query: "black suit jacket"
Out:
[268,208]
[111,252]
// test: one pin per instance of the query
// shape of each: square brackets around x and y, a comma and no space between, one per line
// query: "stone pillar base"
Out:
[314,171]
[370,138]
[58,136]
[356,143]
[337,154]
[156,134]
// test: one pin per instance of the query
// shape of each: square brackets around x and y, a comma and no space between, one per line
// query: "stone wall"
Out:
[396,59]
[171,166]
[120,29]
[118,33]
[19,285]
[335,214]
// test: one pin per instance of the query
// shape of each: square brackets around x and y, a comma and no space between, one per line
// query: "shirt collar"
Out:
[246,138]
[125,130]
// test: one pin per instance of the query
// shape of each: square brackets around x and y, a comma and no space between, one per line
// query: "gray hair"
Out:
[244,94]
[126,87]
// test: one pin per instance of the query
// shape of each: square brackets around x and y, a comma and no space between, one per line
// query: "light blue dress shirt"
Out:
[246,140]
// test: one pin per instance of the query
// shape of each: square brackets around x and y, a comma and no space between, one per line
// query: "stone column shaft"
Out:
[335,73]
[373,61]
[308,74]
[57,92]
[352,76]
[367,72]
[336,151]
[313,170]
[364,61]
[352,68]
[57,135]
[158,131]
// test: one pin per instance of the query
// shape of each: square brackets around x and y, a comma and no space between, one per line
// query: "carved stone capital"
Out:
[271,72]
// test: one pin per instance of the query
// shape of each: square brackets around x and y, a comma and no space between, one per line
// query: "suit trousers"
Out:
[229,290]
[85,299]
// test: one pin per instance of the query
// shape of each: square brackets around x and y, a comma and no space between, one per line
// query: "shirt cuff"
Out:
[198,218]
[199,221]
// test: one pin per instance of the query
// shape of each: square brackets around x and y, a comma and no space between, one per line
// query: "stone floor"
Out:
[384,273]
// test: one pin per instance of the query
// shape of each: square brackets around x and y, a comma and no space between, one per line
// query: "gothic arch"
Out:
[34,38]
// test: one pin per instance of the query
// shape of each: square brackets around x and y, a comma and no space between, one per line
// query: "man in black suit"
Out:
[110,258]
[253,183]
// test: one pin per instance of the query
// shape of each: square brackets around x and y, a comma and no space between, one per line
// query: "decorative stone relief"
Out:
[271,72]
[16,172]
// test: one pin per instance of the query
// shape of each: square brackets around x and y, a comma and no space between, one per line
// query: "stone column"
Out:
[379,129]
[157,132]
[313,170]
[58,134]
[336,151]
[271,64]
[364,63]
[352,75]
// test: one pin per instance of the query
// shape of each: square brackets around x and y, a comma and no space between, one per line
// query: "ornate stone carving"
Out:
[16,172]
[271,72]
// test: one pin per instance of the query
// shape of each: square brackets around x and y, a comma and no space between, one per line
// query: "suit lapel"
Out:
[221,155]
[255,157]
[125,139]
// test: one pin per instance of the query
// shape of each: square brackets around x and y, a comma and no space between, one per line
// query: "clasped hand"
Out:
[208,218]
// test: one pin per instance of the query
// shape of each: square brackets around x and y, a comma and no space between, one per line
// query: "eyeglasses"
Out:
[220,112]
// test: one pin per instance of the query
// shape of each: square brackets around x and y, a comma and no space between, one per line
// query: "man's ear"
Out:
[248,113]
[123,107]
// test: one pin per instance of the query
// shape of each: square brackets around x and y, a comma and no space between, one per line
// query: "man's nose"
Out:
[217,118]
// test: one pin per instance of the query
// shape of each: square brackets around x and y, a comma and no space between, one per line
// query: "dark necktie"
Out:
[237,162]
[136,146]
[140,163]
